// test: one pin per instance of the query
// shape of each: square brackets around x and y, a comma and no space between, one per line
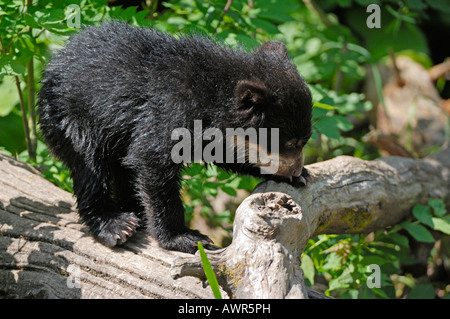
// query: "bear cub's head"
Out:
[276,97]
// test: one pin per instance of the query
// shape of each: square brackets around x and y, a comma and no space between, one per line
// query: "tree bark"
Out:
[46,253]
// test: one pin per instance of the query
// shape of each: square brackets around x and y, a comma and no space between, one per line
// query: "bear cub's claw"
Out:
[117,230]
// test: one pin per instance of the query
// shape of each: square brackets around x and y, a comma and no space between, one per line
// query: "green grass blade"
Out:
[209,272]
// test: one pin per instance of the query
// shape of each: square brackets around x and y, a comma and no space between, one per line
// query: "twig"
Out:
[439,70]
[398,78]
[31,109]
[32,135]
[225,10]
[313,7]
[24,114]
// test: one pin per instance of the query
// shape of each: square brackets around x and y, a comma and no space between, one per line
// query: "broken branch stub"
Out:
[263,260]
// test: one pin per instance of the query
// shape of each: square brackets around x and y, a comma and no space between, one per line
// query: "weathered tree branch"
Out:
[40,236]
[348,195]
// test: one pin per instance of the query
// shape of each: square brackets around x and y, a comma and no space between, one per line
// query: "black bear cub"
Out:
[115,101]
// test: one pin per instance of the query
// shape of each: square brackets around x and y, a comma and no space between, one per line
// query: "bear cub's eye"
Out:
[292,143]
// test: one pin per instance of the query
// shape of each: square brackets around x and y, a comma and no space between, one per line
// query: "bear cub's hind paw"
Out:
[118,229]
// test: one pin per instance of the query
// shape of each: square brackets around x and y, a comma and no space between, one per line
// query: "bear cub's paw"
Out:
[118,229]
[303,179]
[186,241]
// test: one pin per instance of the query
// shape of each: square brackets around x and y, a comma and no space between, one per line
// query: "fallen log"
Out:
[46,253]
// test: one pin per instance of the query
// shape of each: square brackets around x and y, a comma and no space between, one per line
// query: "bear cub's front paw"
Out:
[186,241]
[303,179]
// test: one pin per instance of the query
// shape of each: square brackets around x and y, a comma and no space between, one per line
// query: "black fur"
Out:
[111,98]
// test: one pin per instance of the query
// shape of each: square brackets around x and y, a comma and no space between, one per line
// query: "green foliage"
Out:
[243,24]
[28,30]
[343,259]
[432,216]
[50,167]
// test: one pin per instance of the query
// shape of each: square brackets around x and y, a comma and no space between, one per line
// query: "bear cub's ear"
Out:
[277,48]
[251,93]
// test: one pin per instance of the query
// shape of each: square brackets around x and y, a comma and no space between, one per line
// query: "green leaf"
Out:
[30,21]
[26,43]
[408,281]
[210,15]
[380,293]
[140,17]
[422,291]
[323,106]
[321,95]
[415,4]
[248,183]
[275,15]
[247,42]
[419,232]
[343,281]
[399,239]
[438,206]
[10,97]
[128,13]
[313,46]
[423,214]
[308,268]
[56,15]
[352,294]
[332,262]
[210,191]
[264,25]
[5,60]
[229,190]
[318,113]
[377,260]
[442,225]
[327,126]
[177,21]
[17,68]
[213,185]
[193,169]
[343,123]
[209,272]
[277,10]
[11,133]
